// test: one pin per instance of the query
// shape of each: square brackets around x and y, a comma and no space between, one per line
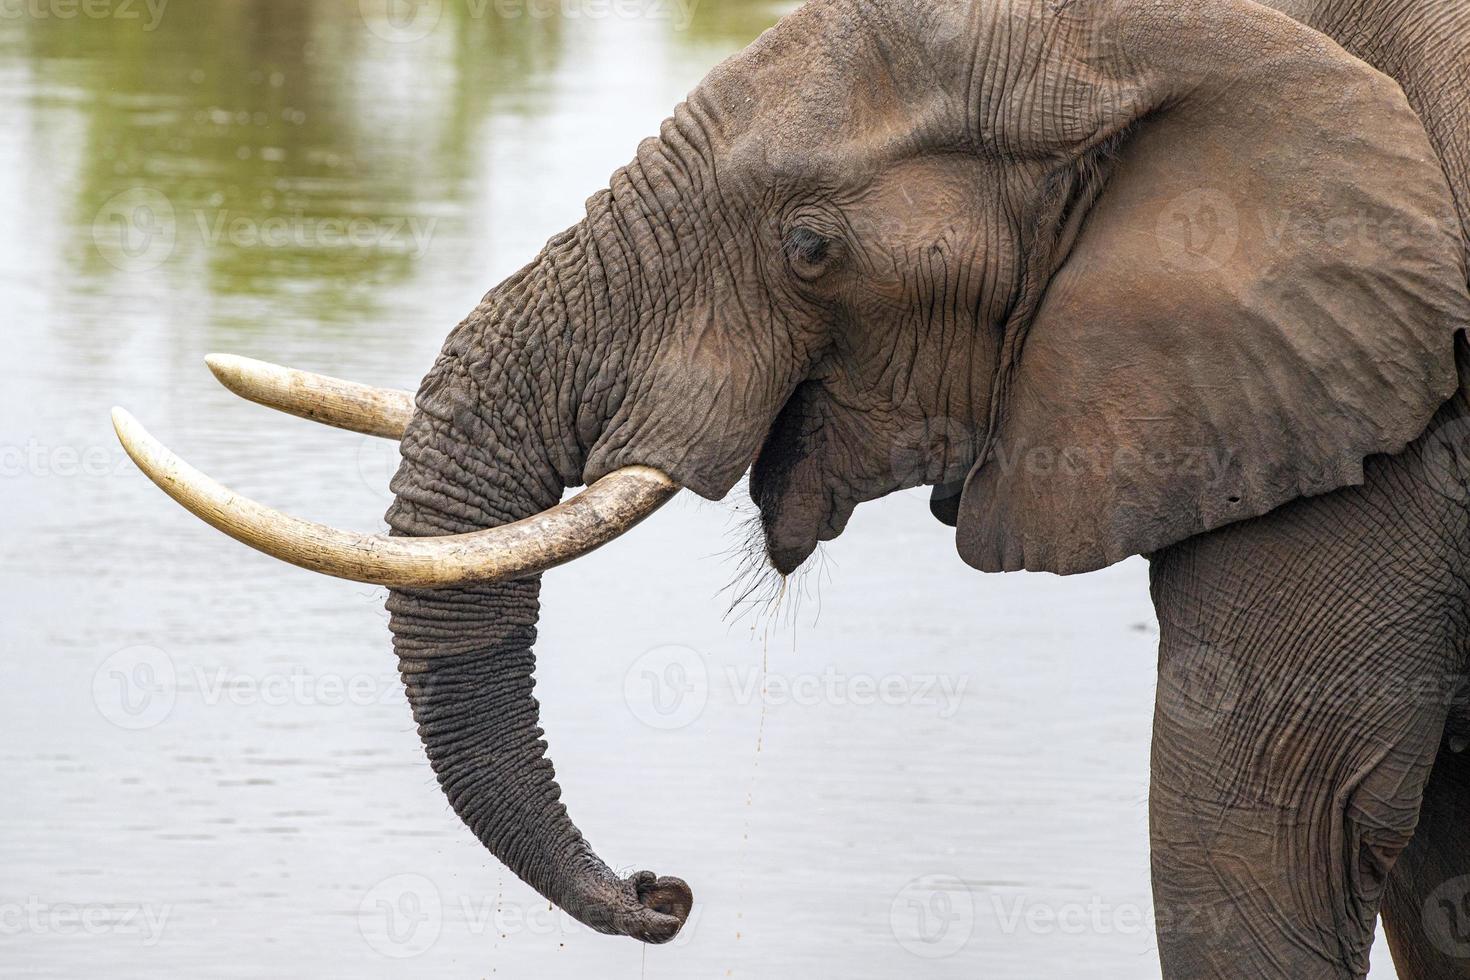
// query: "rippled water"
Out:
[208,762]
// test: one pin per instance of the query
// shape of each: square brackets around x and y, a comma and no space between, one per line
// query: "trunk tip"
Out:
[643,906]
[663,906]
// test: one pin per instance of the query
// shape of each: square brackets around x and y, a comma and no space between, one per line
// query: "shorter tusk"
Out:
[347,405]
[603,511]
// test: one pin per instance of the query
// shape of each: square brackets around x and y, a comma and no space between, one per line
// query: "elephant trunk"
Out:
[478,719]
[465,654]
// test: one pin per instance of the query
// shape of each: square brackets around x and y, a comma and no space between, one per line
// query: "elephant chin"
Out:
[799,522]
[787,558]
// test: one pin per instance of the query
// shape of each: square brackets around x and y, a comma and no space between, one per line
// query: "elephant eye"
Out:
[808,252]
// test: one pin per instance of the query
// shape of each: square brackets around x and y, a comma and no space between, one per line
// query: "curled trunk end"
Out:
[466,659]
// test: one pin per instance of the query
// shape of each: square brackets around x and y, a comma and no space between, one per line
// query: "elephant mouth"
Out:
[798,507]
[816,465]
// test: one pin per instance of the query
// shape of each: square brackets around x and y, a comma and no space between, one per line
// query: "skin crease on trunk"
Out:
[833,281]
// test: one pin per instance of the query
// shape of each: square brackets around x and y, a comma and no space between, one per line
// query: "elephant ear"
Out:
[1265,292]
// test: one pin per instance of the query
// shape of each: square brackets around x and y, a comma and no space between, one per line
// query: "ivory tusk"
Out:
[602,512]
[346,405]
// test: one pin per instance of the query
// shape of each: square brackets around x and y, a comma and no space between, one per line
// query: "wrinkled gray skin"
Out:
[892,241]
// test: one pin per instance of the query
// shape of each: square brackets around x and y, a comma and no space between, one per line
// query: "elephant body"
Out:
[1311,682]
[1115,277]
[1312,694]
[1313,612]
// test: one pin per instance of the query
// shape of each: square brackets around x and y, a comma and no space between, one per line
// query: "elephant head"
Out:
[1108,274]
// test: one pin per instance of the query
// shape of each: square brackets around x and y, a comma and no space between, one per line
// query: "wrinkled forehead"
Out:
[837,86]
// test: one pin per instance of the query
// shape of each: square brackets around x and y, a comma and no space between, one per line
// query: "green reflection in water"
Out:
[289,150]
[293,149]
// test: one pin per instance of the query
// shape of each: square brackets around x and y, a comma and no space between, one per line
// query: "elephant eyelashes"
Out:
[808,253]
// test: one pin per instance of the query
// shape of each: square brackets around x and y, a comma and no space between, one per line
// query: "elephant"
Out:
[1114,277]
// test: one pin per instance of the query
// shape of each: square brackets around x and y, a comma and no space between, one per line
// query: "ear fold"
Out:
[1265,293]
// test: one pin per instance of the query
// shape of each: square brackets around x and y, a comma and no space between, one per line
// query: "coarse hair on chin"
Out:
[757,589]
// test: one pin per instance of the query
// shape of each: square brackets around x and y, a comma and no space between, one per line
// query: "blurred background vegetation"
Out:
[293,118]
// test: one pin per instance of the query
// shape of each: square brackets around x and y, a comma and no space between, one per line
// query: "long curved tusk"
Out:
[347,405]
[603,511]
